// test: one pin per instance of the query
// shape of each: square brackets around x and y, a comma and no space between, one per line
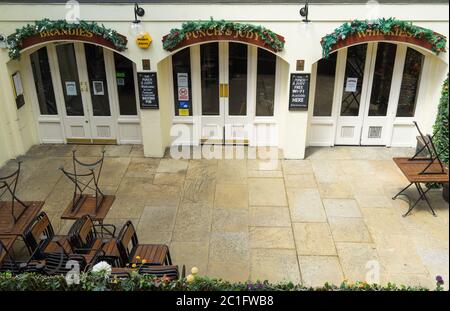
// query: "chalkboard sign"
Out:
[148,90]
[299,91]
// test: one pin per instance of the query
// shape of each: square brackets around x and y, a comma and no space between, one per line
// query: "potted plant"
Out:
[440,129]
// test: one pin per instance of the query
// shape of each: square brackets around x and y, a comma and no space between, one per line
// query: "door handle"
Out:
[223,90]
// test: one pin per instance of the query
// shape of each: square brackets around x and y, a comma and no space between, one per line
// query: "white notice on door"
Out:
[182,79]
[351,84]
[71,88]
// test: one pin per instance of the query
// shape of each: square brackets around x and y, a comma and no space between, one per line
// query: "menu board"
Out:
[299,91]
[148,90]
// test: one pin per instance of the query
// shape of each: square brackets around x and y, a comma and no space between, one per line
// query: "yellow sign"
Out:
[183,112]
[143,40]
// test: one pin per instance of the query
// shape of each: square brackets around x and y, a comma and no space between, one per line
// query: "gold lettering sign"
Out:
[66,32]
[377,32]
[227,34]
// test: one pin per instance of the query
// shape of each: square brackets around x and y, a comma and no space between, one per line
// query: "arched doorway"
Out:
[229,90]
[85,93]
[368,94]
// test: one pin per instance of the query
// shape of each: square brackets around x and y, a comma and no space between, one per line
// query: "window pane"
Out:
[97,80]
[125,85]
[410,83]
[265,83]
[326,73]
[181,66]
[209,54]
[68,70]
[237,79]
[354,74]
[43,82]
[382,79]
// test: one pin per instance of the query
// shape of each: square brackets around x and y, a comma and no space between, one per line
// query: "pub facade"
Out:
[163,73]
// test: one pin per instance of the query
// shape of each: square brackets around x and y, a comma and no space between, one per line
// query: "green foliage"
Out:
[176,35]
[440,128]
[145,282]
[15,40]
[437,41]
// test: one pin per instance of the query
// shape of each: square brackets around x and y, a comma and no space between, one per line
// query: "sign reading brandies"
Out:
[148,90]
[299,91]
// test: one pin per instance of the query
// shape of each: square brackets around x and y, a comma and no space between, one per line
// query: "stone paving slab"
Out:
[310,221]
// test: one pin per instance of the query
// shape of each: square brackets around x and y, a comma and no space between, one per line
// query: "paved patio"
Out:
[327,218]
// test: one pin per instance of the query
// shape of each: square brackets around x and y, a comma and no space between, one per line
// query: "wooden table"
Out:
[7,224]
[7,242]
[414,172]
[88,208]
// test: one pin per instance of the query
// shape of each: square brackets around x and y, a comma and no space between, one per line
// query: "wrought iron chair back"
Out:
[85,180]
[8,185]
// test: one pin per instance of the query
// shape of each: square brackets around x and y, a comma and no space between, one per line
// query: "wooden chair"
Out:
[171,272]
[11,264]
[129,249]
[39,235]
[87,238]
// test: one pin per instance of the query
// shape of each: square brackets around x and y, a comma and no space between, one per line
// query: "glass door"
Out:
[212,89]
[87,112]
[350,119]
[235,102]
[75,114]
[224,92]
[378,108]
[366,94]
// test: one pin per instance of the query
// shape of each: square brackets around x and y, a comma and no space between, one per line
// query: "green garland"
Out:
[437,41]
[15,40]
[173,39]
[440,128]
[145,282]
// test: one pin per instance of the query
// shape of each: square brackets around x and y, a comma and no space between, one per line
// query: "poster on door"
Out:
[351,85]
[183,93]
[182,79]
[71,88]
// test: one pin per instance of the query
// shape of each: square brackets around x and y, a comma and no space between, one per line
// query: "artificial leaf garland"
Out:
[176,35]
[437,41]
[441,128]
[15,40]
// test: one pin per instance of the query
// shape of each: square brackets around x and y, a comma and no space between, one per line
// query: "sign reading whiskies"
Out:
[148,90]
[299,91]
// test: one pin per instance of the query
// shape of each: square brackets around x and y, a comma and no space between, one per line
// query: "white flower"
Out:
[102,267]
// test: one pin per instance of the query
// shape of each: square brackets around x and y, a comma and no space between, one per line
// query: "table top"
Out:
[7,241]
[7,225]
[412,170]
[88,208]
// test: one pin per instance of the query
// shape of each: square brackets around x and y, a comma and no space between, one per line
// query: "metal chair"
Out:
[8,185]
[129,248]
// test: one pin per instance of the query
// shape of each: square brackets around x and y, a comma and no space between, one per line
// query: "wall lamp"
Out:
[136,27]
[304,12]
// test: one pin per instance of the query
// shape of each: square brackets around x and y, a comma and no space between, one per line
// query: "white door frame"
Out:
[91,125]
[363,123]
[237,128]
[384,123]
[352,123]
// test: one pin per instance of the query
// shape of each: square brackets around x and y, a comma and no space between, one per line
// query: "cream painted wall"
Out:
[302,42]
